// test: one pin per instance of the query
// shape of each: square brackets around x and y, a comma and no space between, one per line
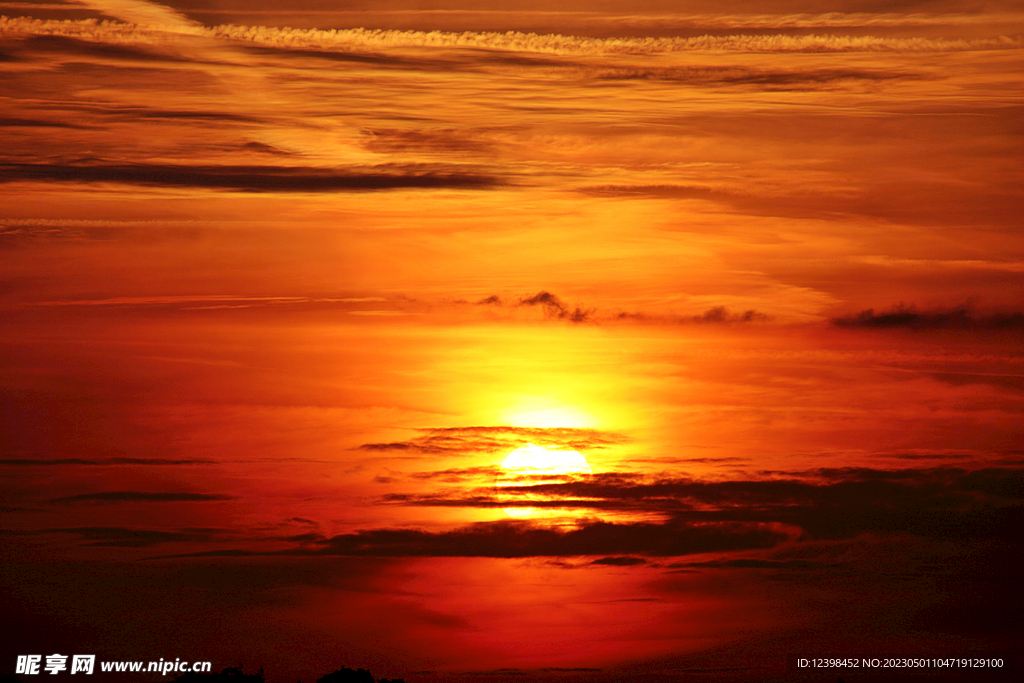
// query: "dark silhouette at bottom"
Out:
[236,675]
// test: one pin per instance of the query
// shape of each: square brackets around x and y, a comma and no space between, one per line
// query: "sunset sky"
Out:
[283,284]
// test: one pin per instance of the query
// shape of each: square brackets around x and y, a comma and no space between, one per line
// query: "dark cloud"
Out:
[37,123]
[556,308]
[903,316]
[509,539]
[263,147]
[518,539]
[619,561]
[492,439]
[248,178]
[739,75]
[715,314]
[142,496]
[826,504]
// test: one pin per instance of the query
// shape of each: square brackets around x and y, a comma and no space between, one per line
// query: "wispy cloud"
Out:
[491,439]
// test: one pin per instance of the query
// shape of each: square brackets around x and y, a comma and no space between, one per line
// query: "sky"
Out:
[282,285]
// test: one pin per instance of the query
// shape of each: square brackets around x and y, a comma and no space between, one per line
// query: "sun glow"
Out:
[531,465]
[543,415]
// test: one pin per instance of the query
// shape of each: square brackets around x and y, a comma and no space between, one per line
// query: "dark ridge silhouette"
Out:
[347,675]
[231,674]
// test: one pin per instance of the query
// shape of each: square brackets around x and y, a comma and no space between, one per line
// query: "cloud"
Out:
[36,123]
[959,317]
[619,561]
[556,308]
[349,39]
[516,539]
[737,75]
[142,496]
[561,44]
[492,439]
[715,314]
[248,178]
[141,13]
[837,503]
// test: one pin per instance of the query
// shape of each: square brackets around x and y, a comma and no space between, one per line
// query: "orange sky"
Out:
[276,303]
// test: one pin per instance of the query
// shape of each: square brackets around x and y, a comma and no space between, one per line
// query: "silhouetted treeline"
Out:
[347,675]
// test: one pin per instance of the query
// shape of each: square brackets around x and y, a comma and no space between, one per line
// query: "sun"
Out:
[531,465]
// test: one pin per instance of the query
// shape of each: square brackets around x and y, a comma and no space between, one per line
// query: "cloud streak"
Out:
[348,39]
[492,439]
[513,539]
[909,317]
[247,178]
